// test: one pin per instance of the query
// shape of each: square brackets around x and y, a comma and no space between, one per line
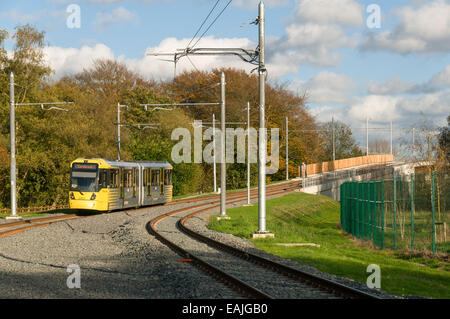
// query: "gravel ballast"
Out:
[116,256]
[198,224]
[119,259]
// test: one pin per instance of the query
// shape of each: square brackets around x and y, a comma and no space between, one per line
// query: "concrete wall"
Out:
[323,167]
[329,184]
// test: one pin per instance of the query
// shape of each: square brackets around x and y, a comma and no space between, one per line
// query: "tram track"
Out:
[318,287]
[256,285]
[12,228]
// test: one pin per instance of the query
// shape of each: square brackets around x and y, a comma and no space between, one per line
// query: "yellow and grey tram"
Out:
[104,185]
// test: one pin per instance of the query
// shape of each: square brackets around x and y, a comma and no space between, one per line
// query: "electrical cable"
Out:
[198,30]
[212,23]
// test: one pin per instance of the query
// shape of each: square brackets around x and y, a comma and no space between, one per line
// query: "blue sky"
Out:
[325,48]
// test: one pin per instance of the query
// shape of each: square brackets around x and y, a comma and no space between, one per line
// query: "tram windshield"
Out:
[83,178]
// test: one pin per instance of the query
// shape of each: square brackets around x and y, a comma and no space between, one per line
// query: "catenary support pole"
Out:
[391,139]
[12,122]
[287,149]
[248,153]
[367,136]
[262,134]
[223,167]
[262,141]
[334,142]
[118,131]
[214,152]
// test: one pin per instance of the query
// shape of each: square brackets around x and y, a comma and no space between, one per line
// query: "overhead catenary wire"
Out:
[212,23]
[203,23]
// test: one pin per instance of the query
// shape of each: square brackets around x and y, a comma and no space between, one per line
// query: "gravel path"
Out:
[116,256]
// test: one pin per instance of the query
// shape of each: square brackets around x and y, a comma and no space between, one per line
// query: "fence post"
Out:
[353,209]
[433,178]
[358,210]
[412,211]
[370,210]
[375,214]
[367,209]
[346,206]
[364,186]
[363,210]
[341,195]
[395,211]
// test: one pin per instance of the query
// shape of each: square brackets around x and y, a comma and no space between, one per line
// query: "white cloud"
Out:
[433,104]
[422,29]
[66,61]
[314,35]
[395,85]
[346,12]
[378,108]
[120,14]
[325,113]
[326,87]
[403,111]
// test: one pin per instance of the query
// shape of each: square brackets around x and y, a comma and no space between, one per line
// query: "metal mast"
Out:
[12,123]
[367,135]
[262,147]
[214,152]
[223,167]
[118,131]
[248,153]
[287,149]
[391,139]
[334,142]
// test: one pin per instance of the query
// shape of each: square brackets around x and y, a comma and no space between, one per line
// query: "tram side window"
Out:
[147,180]
[167,177]
[162,180]
[134,181]
[113,178]
[155,178]
[128,178]
[103,179]
[120,181]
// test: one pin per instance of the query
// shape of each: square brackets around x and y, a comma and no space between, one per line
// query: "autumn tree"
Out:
[345,144]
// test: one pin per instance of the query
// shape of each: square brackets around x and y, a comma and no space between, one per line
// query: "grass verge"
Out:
[304,218]
[41,214]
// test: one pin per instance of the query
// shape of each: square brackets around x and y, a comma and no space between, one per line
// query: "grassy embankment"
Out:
[304,218]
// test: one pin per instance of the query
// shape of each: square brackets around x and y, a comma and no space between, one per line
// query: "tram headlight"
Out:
[93,196]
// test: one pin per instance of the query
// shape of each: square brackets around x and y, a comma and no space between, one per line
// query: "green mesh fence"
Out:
[403,212]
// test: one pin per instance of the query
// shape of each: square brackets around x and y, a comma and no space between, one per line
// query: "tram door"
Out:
[156,184]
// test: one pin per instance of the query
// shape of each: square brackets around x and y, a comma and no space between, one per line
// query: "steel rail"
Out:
[234,194]
[338,289]
[233,282]
[46,221]
[33,223]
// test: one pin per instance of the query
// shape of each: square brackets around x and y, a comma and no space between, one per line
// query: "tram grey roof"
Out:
[150,164]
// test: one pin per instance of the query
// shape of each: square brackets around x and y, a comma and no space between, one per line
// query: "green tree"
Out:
[345,144]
